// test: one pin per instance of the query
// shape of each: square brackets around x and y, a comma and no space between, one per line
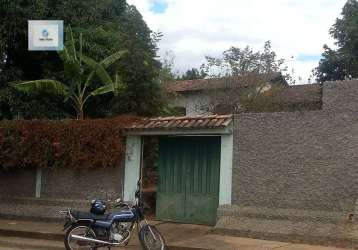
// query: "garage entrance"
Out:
[189,177]
[193,176]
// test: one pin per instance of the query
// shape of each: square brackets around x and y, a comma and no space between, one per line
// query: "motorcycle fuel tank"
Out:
[117,216]
[123,216]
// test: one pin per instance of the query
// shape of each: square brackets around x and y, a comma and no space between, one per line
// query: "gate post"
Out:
[226,169]
[38,182]
[132,166]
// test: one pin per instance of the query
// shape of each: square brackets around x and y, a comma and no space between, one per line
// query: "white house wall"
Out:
[195,103]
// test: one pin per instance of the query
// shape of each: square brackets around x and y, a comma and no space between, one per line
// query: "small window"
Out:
[180,111]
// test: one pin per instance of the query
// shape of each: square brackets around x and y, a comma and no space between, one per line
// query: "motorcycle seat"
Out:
[79,215]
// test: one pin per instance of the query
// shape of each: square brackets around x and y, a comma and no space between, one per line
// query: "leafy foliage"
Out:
[341,63]
[79,79]
[75,144]
[166,73]
[48,85]
[108,26]
[18,105]
[240,62]
[140,67]
[193,74]
[246,76]
[331,66]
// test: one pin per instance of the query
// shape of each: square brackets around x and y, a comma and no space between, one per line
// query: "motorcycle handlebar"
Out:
[120,203]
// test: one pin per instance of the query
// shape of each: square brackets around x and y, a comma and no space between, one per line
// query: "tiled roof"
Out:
[189,85]
[184,122]
[219,83]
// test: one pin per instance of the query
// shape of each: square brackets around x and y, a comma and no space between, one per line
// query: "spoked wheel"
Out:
[151,239]
[71,243]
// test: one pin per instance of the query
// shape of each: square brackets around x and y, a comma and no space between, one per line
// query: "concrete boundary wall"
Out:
[59,189]
[295,174]
[300,160]
[296,160]
[18,182]
[66,183]
[83,184]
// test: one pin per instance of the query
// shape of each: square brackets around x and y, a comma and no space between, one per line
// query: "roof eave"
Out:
[183,132]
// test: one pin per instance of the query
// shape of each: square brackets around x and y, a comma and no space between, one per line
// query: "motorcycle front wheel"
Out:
[151,239]
[72,243]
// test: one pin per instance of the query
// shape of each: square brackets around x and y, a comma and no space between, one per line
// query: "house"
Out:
[222,95]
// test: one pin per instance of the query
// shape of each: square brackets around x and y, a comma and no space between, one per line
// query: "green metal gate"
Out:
[189,175]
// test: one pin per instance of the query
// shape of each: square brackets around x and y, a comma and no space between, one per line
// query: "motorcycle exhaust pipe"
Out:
[81,238]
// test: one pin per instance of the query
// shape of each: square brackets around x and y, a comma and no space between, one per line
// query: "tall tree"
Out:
[342,62]
[108,26]
[140,67]
[245,61]
[242,79]
[331,66]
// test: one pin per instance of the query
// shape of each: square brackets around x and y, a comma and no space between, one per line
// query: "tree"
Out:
[109,26]
[340,63]
[193,74]
[139,68]
[240,62]
[331,66]
[15,104]
[166,73]
[79,79]
[244,80]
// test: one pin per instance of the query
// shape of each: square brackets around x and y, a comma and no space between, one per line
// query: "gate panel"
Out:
[202,187]
[171,185]
[189,174]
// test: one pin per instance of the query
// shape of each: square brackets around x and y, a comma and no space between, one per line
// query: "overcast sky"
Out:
[195,28]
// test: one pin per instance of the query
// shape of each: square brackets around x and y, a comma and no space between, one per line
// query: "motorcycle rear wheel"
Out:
[149,242]
[81,230]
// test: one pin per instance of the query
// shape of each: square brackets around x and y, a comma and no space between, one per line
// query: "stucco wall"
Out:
[340,96]
[19,182]
[195,103]
[300,160]
[70,184]
[82,184]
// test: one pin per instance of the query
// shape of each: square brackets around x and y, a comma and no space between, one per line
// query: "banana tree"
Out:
[80,71]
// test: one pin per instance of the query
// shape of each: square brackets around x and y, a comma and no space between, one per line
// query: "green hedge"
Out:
[68,143]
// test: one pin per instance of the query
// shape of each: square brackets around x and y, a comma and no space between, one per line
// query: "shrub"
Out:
[69,143]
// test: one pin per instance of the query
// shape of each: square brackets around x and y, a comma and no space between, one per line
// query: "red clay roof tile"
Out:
[184,122]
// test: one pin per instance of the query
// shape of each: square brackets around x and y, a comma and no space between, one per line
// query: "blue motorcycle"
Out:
[96,229]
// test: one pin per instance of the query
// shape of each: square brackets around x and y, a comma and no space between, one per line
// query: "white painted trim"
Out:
[38,182]
[132,166]
[227,143]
